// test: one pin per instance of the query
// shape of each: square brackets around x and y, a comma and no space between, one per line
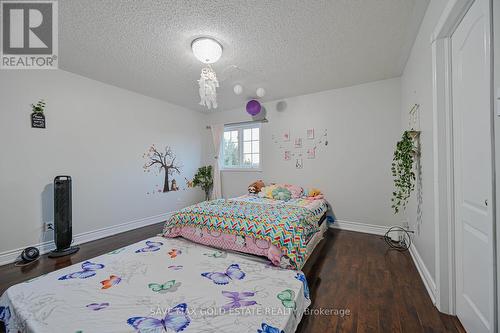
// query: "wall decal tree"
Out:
[161,161]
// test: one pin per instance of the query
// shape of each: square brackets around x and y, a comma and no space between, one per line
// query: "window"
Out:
[241,147]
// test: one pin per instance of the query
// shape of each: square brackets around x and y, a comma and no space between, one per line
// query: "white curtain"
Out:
[217,134]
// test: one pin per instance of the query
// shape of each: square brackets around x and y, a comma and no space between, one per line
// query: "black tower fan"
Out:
[62,217]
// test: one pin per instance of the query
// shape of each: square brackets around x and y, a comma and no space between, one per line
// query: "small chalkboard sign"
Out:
[37,120]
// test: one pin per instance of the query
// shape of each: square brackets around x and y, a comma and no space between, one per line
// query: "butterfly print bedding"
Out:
[287,298]
[174,253]
[238,299]
[233,272]
[176,320]
[175,267]
[265,328]
[4,314]
[112,281]
[97,306]
[150,247]
[109,294]
[301,277]
[169,286]
[88,270]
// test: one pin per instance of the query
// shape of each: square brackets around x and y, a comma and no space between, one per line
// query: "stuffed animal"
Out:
[314,194]
[281,193]
[255,187]
[267,191]
[296,191]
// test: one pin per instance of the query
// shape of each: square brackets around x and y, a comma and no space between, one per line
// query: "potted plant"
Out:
[204,179]
[38,107]
[37,116]
[402,170]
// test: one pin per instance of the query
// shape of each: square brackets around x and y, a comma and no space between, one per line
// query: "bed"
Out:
[160,285]
[215,278]
[285,232]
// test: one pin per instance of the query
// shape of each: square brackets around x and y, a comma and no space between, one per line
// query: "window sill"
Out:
[241,169]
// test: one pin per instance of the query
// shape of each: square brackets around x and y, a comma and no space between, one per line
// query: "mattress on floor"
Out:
[160,285]
[279,230]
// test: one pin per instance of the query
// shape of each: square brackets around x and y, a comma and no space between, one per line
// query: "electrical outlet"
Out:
[49,226]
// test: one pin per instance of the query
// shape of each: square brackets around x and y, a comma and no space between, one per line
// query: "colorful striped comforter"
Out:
[288,227]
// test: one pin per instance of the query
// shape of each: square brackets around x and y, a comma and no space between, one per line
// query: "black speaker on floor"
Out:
[63,235]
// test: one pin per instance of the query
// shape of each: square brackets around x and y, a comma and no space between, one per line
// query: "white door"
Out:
[472,137]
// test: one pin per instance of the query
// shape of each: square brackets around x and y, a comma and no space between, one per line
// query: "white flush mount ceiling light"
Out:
[208,51]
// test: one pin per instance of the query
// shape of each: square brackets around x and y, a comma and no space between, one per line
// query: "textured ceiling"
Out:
[290,47]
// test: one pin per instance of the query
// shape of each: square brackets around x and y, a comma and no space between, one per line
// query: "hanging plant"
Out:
[402,171]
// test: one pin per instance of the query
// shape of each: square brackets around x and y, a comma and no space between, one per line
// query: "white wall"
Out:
[96,133]
[416,87]
[363,124]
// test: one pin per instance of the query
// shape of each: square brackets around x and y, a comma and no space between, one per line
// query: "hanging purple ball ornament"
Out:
[253,107]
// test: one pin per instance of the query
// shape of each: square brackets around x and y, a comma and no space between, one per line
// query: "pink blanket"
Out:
[226,241]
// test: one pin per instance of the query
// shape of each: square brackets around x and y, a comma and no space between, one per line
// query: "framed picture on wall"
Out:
[311,153]
[286,136]
[310,134]
[287,155]
[299,164]
[298,143]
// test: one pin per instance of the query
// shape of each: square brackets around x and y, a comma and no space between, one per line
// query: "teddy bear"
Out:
[256,186]
[314,194]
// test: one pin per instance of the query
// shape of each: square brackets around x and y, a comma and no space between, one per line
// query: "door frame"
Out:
[440,40]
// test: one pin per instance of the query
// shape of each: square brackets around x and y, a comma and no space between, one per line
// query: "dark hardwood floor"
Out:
[381,288]
[377,290]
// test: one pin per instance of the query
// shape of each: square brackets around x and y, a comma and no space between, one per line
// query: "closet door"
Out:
[473,177]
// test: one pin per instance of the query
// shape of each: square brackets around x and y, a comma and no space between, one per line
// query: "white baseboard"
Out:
[426,276]
[10,256]
[360,227]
